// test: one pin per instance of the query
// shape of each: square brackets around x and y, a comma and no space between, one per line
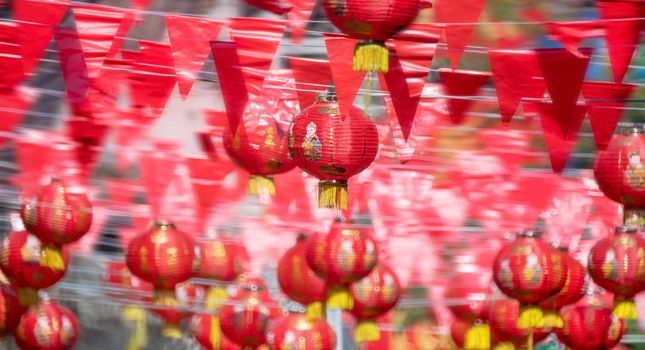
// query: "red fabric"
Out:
[296,279]
[464,84]
[231,80]
[516,75]
[571,34]
[458,34]
[47,326]
[622,37]
[310,74]
[189,38]
[606,112]
[347,82]
[560,132]
[298,18]
[590,327]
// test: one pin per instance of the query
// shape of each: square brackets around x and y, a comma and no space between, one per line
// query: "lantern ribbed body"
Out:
[376,294]
[295,332]
[471,289]
[205,329]
[297,280]
[245,320]
[573,289]
[56,215]
[377,20]
[220,260]
[28,263]
[162,256]
[503,316]
[10,309]
[590,328]
[47,326]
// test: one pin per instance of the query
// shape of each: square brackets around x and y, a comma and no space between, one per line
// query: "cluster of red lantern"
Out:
[590,327]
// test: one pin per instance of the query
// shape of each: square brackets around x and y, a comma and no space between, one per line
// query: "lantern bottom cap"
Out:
[371,56]
[338,297]
[315,311]
[552,319]
[172,331]
[531,316]
[477,337]
[366,331]
[504,346]
[261,186]
[625,309]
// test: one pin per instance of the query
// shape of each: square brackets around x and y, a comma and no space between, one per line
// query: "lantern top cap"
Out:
[634,129]
[164,224]
[302,237]
[328,95]
[529,234]
[626,229]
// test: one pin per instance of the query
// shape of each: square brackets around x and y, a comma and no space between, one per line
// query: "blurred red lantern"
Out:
[47,326]
[343,256]
[250,286]
[205,329]
[618,265]
[620,174]
[299,282]
[529,271]
[296,332]
[372,23]
[57,214]
[503,316]
[222,261]
[459,330]
[572,291]
[117,275]
[258,147]
[244,320]
[10,309]
[332,147]
[30,265]
[590,328]
[374,296]
[175,306]
[470,291]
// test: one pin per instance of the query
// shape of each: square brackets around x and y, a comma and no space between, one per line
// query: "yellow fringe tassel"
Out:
[27,296]
[215,297]
[366,331]
[552,319]
[52,258]
[529,342]
[477,337]
[332,195]
[531,316]
[315,311]
[338,297]
[215,332]
[504,346]
[260,185]
[625,309]
[171,331]
[139,336]
[371,56]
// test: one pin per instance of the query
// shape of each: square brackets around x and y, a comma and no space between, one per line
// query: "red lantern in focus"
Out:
[258,148]
[529,271]
[590,328]
[173,307]
[332,147]
[10,309]
[296,332]
[620,174]
[244,320]
[222,261]
[29,265]
[374,296]
[57,214]
[205,328]
[343,256]
[474,289]
[372,23]
[503,316]
[572,291]
[299,282]
[47,326]
[618,265]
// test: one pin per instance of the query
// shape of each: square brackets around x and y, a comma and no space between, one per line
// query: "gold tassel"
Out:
[27,296]
[634,217]
[477,337]
[139,337]
[366,331]
[504,346]
[371,56]
[625,309]
[52,258]
[215,297]
[338,297]
[315,311]
[215,332]
[332,194]
[529,342]
[531,316]
[260,185]
[172,331]
[552,319]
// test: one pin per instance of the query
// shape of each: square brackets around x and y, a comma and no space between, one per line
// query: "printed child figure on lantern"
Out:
[311,146]
[635,172]
[505,274]
[31,250]
[532,271]
[610,265]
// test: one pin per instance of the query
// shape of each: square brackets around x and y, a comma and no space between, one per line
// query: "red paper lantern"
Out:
[221,260]
[57,214]
[299,282]
[503,316]
[47,326]
[572,291]
[332,147]
[345,255]
[529,271]
[471,291]
[258,148]
[10,309]
[620,174]
[296,332]
[374,296]
[244,320]
[30,265]
[590,328]
[174,306]
[250,286]
[372,23]
[618,265]
[205,328]
[117,275]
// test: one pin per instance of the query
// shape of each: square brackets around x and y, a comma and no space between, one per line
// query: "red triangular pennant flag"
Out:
[129,17]
[33,153]
[465,14]
[571,34]
[189,38]
[231,80]
[516,75]
[622,36]
[74,68]
[89,136]
[563,73]
[535,192]
[37,20]
[130,128]
[14,105]
[206,177]
[560,132]
[312,77]
[157,171]
[298,18]
[121,191]
[257,41]
[461,86]
[10,56]
[347,82]
[274,6]
[605,102]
